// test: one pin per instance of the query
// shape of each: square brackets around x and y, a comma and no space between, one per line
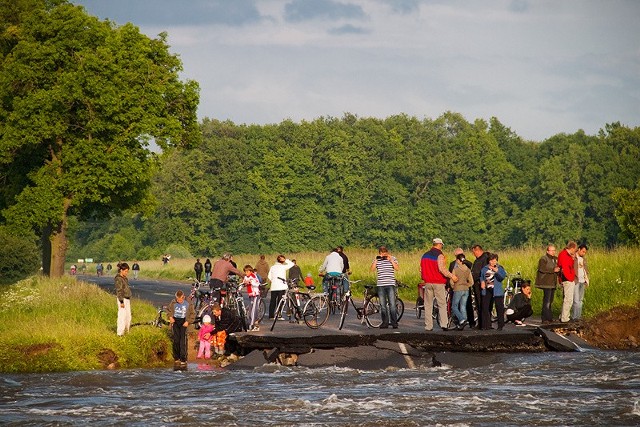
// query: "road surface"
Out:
[157,292]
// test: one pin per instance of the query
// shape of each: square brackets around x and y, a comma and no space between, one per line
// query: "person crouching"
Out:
[520,307]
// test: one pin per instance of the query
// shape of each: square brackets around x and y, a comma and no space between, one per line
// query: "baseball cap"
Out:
[438,241]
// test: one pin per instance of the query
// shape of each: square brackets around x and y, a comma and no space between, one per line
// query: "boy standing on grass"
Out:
[181,314]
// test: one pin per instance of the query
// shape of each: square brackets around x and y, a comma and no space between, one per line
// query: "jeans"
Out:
[567,301]
[387,295]
[547,302]
[459,305]
[345,283]
[578,297]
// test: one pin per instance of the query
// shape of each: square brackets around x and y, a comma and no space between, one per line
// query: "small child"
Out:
[181,314]
[252,283]
[308,281]
[204,335]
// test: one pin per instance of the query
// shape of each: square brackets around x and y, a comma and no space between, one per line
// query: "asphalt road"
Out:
[157,292]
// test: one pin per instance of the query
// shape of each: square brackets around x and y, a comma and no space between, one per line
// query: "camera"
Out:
[381,257]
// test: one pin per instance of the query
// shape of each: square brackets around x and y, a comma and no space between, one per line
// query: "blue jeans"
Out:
[387,295]
[459,305]
[578,297]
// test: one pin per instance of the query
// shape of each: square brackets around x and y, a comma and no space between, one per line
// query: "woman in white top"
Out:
[277,273]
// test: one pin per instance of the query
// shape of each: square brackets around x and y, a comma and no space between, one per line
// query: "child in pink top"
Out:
[204,335]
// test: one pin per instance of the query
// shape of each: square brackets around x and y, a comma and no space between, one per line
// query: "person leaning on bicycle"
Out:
[221,270]
[331,267]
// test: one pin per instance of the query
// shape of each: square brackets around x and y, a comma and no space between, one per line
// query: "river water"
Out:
[547,389]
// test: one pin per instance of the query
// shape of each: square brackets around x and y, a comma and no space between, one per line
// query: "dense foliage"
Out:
[80,100]
[361,182]
[18,258]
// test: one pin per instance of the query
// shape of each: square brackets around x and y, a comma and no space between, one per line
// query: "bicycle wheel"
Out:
[160,319]
[262,308]
[242,313]
[278,312]
[419,307]
[343,311]
[373,312]
[316,311]
[232,304]
[399,308]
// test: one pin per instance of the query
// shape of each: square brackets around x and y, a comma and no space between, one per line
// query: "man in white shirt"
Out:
[332,266]
[582,281]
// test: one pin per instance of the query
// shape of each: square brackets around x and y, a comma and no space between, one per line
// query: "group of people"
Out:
[568,270]
[481,281]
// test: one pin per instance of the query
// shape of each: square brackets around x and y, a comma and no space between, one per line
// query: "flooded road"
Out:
[585,388]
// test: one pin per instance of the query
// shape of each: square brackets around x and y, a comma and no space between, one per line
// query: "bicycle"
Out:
[161,318]
[313,309]
[360,311]
[195,295]
[514,286]
[334,291]
[371,309]
[236,303]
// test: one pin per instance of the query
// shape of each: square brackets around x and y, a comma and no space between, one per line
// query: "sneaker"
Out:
[280,318]
[462,325]
[519,323]
[395,326]
[255,329]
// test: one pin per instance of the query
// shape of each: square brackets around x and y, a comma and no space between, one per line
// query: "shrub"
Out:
[19,257]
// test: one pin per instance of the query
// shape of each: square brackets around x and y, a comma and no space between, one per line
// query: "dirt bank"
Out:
[618,328]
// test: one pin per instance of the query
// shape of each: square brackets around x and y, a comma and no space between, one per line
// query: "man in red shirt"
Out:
[566,262]
[434,274]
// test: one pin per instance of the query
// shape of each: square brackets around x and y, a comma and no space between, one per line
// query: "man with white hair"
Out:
[434,275]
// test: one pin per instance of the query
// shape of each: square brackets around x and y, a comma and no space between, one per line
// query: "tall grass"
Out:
[64,324]
[615,273]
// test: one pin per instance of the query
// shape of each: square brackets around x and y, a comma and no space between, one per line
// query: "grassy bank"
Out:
[51,325]
[615,274]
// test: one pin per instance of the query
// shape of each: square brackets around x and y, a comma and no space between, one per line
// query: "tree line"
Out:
[363,182]
[81,99]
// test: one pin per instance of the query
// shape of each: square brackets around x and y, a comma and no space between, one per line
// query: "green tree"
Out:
[628,212]
[80,99]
